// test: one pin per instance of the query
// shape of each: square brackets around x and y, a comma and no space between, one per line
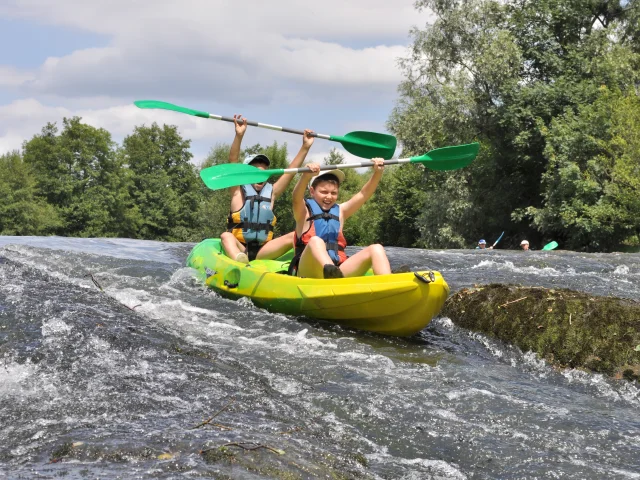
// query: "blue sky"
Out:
[330,66]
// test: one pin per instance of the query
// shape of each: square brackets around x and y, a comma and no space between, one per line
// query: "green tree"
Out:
[399,201]
[283,210]
[591,183]
[165,186]
[335,157]
[214,205]
[79,173]
[502,72]
[363,228]
[21,211]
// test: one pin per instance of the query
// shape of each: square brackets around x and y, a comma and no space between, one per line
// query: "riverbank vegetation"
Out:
[548,88]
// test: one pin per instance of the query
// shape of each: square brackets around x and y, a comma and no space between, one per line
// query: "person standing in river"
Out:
[482,245]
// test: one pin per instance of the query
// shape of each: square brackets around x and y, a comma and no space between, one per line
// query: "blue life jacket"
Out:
[327,226]
[254,222]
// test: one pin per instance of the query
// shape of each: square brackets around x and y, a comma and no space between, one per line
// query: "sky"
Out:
[330,66]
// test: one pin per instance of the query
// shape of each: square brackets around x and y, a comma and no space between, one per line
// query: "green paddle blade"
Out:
[234,174]
[169,106]
[368,144]
[550,246]
[449,158]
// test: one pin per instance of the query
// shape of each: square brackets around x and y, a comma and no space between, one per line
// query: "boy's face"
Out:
[482,245]
[325,193]
[262,166]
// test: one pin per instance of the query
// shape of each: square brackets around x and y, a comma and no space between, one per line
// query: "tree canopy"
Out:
[537,83]
[549,88]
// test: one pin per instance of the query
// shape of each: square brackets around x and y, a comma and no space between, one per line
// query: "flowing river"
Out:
[149,376]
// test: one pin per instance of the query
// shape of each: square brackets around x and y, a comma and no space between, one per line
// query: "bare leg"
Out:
[231,245]
[373,257]
[313,259]
[276,247]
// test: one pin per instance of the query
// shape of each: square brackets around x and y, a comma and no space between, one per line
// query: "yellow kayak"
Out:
[399,304]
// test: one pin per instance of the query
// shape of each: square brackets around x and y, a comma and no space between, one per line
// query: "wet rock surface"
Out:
[565,327]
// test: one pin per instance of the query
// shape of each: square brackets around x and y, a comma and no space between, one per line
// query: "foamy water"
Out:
[121,377]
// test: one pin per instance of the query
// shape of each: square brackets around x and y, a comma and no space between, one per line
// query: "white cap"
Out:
[259,157]
[337,173]
[524,242]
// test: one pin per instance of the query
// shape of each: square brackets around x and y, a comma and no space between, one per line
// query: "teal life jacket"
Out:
[254,222]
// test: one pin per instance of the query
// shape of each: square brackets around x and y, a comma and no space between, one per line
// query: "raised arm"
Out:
[234,157]
[241,128]
[352,205]
[299,208]
[283,182]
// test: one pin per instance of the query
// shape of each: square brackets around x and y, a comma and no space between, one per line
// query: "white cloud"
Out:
[240,51]
[12,77]
[338,19]
[22,119]
[253,56]
[256,75]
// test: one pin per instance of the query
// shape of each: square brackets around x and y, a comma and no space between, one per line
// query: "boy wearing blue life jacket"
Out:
[319,241]
[250,225]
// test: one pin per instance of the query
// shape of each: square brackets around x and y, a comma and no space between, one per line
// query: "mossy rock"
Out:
[565,327]
[221,454]
[291,466]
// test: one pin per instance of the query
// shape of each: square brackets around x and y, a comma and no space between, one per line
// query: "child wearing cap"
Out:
[319,241]
[249,232]
[524,244]
[482,245]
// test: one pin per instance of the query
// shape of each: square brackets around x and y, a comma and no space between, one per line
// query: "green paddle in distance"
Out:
[360,144]
[235,174]
[550,246]
[499,238]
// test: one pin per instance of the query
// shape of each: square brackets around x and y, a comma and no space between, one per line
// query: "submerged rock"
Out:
[565,327]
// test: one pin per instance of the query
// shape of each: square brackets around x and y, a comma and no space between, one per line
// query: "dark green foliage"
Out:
[592,181]
[335,157]
[165,186]
[79,173]
[282,209]
[78,182]
[536,82]
[214,205]
[21,211]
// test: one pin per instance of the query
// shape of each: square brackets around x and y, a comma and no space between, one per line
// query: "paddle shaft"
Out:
[361,144]
[345,165]
[496,242]
[266,125]
[235,174]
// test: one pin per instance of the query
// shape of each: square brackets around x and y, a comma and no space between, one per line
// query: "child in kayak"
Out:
[249,232]
[319,241]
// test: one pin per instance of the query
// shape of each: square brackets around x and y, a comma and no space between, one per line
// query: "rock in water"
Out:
[565,327]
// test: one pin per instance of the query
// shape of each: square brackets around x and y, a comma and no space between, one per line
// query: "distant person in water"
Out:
[482,245]
[524,244]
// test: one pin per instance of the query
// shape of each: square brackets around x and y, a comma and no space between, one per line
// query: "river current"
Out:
[116,362]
